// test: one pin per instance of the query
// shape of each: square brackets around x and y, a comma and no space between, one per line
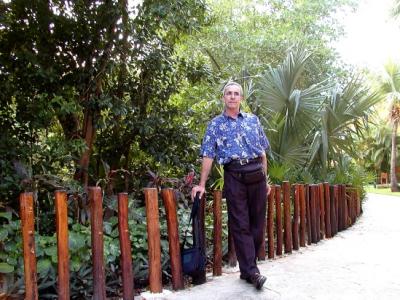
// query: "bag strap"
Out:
[193,215]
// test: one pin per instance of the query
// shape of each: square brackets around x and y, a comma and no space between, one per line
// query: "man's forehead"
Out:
[232,88]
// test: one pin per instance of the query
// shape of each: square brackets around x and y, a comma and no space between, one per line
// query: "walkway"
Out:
[362,262]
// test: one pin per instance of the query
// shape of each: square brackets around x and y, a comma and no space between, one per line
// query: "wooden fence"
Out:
[296,214]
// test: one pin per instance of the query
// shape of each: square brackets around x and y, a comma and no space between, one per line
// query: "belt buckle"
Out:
[243,161]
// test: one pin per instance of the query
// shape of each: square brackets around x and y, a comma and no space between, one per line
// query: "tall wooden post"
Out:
[322,210]
[96,200]
[125,246]
[313,200]
[270,221]
[317,213]
[327,199]
[334,208]
[308,213]
[217,208]
[302,215]
[296,217]
[173,238]
[28,243]
[153,239]
[278,208]
[345,208]
[286,217]
[62,244]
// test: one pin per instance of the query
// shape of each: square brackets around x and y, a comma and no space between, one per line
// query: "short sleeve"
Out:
[208,146]
[263,138]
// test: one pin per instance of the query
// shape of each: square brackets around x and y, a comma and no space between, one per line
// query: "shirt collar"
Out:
[240,114]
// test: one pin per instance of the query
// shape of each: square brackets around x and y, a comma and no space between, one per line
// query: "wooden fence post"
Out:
[322,210]
[61,209]
[278,208]
[168,197]
[328,229]
[153,239]
[96,218]
[302,215]
[308,213]
[286,217]
[125,246]
[296,217]
[336,206]
[28,242]
[270,220]
[313,200]
[345,208]
[217,251]
[317,213]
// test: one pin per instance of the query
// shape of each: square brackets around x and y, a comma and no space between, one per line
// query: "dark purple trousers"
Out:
[246,217]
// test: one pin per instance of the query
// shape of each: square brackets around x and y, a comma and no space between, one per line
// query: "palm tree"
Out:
[344,115]
[289,111]
[389,85]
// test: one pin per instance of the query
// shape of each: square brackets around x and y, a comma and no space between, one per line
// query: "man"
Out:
[237,141]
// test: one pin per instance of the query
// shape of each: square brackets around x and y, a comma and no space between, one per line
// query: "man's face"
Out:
[232,97]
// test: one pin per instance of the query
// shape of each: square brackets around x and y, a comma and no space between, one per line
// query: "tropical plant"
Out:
[389,88]
[289,111]
[344,115]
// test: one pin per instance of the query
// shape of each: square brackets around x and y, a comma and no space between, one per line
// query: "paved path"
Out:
[362,262]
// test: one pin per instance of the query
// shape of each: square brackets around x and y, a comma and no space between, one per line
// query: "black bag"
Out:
[194,258]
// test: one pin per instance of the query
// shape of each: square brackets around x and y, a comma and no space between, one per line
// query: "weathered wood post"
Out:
[336,205]
[341,207]
[317,213]
[296,217]
[286,217]
[345,207]
[125,246]
[313,200]
[96,222]
[302,215]
[28,243]
[308,213]
[153,239]
[61,209]
[270,220]
[168,197]
[327,199]
[217,251]
[278,208]
[322,210]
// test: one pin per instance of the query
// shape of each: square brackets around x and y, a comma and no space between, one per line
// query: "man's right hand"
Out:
[196,189]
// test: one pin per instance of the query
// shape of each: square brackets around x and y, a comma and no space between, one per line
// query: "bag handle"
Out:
[193,214]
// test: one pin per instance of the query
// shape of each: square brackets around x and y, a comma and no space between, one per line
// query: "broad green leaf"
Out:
[6,268]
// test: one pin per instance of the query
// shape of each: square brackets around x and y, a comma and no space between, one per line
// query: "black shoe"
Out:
[244,277]
[257,280]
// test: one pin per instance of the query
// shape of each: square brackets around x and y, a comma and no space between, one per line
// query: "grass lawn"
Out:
[383,191]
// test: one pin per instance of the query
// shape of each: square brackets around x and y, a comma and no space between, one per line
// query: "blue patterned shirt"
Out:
[227,138]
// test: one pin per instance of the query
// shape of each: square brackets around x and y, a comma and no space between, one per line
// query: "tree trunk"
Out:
[393,177]
[88,132]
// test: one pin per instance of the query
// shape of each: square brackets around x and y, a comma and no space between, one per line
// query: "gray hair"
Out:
[230,83]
